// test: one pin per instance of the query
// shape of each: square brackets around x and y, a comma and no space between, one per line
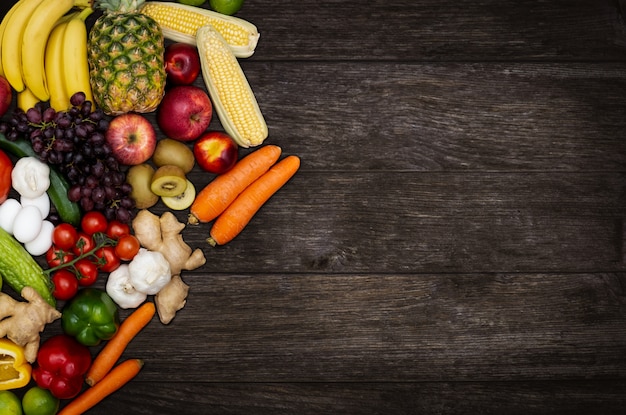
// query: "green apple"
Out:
[228,7]
[192,2]
[10,404]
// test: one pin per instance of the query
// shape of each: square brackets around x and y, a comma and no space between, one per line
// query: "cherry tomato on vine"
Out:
[56,256]
[85,243]
[64,236]
[117,229]
[127,247]
[65,284]
[93,222]
[107,260]
[88,272]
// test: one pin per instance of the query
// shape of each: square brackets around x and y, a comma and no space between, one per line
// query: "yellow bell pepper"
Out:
[15,371]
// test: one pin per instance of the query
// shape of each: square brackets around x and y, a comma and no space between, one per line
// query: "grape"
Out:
[74,142]
[110,192]
[74,194]
[97,139]
[127,203]
[86,108]
[37,145]
[123,215]
[64,121]
[98,195]
[55,157]
[77,99]
[81,131]
[54,218]
[33,115]
[86,203]
[98,168]
[49,114]
[22,127]
[91,182]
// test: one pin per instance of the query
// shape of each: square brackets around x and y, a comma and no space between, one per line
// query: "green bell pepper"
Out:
[91,316]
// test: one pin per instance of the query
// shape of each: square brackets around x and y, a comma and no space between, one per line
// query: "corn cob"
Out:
[232,97]
[179,22]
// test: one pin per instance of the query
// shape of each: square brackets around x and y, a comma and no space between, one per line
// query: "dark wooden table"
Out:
[454,240]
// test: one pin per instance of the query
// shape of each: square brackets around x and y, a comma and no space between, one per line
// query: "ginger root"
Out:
[22,321]
[171,298]
[163,234]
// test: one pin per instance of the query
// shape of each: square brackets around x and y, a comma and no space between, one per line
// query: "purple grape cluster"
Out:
[74,141]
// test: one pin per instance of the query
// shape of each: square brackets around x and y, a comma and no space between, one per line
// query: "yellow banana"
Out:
[36,33]
[75,64]
[26,100]
[53,65]
[3,26]
[12,42]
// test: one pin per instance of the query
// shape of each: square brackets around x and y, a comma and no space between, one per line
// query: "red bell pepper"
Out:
[6,167]
[62,363]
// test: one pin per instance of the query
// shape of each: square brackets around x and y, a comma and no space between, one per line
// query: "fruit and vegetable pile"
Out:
[81,166]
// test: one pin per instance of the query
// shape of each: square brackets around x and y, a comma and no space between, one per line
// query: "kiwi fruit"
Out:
[183,200]
[168,180]
[172,152]
[140,179]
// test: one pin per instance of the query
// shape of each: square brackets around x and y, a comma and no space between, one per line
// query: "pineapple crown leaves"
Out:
[119,6]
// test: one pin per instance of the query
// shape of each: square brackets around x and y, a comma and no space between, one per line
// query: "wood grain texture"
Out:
[393,328]
[437,398]
[399,30]
[454,240]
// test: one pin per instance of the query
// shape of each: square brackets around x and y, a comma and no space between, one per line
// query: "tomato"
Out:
[94,222]
[65,284]
[88,272]
[56,256]
[127,247]
[107,260]
[117,229]
[6,167]
[85,243]
[64,236]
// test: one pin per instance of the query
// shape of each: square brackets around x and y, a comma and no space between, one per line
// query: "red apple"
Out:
[182,63]
[6,95]
[216,152]
[132,138]
[184,113]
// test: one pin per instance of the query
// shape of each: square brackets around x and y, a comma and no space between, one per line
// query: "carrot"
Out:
[239,213]
[111,352]
[211,201]
[114,380]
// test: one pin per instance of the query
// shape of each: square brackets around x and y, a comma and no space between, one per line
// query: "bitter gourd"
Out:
[19,269]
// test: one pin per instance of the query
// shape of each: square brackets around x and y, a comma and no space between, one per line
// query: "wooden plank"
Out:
[442,398]
[430,222]
[482,30]
[391,328]
[446,116]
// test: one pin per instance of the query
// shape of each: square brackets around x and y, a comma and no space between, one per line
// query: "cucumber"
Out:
[59,186]
[19,269]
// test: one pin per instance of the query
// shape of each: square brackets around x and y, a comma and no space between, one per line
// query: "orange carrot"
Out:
[111,352]
[239,213]
[114,380]
[211,201]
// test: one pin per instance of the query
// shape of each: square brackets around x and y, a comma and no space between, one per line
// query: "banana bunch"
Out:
[43,51]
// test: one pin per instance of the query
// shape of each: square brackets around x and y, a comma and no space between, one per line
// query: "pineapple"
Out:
[125,53]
